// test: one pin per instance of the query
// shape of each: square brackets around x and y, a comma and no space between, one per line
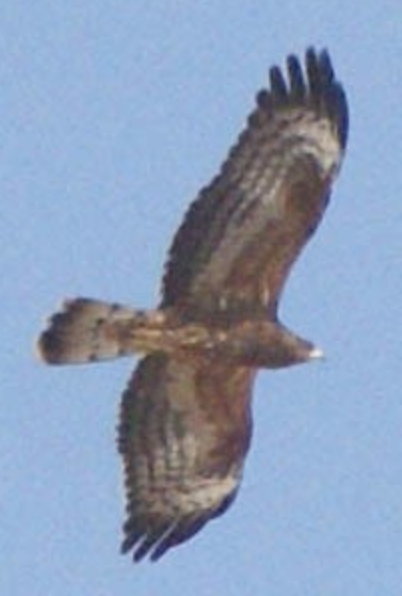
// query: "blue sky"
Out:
[113,115]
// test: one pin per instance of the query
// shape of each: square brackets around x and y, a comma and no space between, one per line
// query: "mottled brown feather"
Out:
[185,422]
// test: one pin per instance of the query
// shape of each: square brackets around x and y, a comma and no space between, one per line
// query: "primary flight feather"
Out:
[185,421]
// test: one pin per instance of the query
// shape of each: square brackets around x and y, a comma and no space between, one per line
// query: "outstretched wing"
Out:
[244,231]
[184,431]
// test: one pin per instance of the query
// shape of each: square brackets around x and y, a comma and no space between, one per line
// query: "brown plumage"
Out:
[185,423]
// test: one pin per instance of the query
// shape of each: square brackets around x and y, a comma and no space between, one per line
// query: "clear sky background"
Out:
[113,115]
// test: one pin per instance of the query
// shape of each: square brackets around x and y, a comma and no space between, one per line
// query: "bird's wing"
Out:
[184,432]
[244,231]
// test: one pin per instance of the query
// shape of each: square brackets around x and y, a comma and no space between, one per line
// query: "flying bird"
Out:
[185,421]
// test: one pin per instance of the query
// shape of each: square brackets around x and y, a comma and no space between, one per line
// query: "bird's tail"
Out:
[88,330]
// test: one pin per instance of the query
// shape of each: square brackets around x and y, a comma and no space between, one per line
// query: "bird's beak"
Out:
[317,354]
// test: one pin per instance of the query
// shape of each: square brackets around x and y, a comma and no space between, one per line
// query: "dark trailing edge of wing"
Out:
[314,87]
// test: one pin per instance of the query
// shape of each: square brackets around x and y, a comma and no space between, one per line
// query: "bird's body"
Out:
[185,423]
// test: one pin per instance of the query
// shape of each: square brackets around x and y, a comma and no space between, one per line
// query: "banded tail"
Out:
[87,330]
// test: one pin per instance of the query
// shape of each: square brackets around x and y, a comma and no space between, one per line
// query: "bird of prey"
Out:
[185,420]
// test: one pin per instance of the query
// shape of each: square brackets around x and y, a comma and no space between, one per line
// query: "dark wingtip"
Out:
[326,92]
[153,541]
[314,85]
[296,79]
[279,91]
[147,538]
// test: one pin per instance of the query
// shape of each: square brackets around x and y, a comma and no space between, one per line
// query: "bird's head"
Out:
[267,344]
